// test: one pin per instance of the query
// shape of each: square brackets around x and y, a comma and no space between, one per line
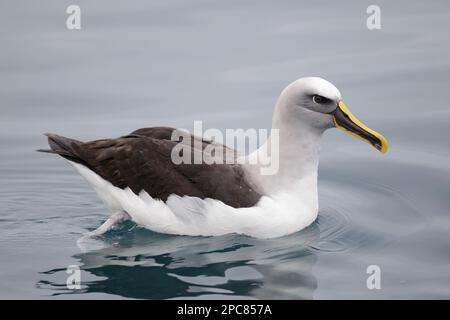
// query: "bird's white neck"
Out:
[292,145]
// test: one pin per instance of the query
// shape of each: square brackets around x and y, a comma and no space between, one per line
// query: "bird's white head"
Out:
[316,105]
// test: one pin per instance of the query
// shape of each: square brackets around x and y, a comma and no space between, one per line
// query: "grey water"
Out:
[138,64]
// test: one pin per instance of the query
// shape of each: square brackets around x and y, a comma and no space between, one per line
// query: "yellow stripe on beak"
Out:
[346,121]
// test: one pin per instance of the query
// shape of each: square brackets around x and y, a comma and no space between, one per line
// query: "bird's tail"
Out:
[62,146]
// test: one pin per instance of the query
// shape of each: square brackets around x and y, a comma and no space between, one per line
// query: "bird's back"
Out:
[142,161]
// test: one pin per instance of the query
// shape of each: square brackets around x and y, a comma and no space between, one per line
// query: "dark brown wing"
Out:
[142,161]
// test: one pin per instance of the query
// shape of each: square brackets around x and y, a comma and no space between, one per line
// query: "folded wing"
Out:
[142,161]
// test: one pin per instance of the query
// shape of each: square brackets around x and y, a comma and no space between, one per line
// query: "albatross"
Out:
[137,180]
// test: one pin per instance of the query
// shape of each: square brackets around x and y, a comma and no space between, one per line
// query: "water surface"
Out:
[136,64]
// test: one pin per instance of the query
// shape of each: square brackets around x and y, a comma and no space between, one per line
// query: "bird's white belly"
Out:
[278,215]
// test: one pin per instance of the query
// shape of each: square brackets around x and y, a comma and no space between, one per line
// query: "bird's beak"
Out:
[346,121]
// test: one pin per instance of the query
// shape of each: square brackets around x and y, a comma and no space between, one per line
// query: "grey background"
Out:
[148,63]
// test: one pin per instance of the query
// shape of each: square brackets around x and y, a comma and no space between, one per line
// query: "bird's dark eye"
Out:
[319,99]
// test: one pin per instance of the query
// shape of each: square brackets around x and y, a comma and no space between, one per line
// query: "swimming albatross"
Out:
[136,178]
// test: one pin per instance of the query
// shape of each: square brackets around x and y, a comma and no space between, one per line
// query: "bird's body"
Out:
[142,161]
[136,177]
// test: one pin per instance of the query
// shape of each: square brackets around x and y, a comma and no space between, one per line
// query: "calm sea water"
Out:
[136,64]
